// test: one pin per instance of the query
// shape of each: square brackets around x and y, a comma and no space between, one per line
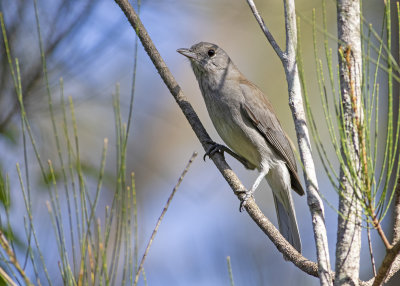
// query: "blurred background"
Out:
[91,46]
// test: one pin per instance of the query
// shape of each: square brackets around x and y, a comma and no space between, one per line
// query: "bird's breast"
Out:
[232,128]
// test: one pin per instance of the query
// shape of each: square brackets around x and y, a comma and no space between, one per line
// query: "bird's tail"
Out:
[287,219]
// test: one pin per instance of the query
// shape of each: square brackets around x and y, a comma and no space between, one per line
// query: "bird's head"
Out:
[208,59]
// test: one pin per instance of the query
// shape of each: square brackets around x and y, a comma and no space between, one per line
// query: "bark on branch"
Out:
[350,67]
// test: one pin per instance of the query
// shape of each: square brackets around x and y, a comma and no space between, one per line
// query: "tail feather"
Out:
[287,223]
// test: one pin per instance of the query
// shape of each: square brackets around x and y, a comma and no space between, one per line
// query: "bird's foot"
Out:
[215,147]
[245,197]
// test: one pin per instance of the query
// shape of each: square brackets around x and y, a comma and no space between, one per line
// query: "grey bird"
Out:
[246,121]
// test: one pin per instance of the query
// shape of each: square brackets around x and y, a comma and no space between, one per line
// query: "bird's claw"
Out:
[214,148]
[247,195]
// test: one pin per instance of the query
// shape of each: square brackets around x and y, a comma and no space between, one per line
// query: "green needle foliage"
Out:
[377,136]
[95,246]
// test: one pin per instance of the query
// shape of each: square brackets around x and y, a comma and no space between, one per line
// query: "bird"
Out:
[246,121]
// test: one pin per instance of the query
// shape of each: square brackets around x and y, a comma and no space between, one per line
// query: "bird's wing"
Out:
[259,111]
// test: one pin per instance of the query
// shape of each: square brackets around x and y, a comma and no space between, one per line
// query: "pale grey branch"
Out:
[349,225]
[266,31]
[314,201]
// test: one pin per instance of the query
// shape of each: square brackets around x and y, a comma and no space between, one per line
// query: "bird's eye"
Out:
[211,52]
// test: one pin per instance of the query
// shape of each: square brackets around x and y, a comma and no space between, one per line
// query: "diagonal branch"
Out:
[387,265]
[252,209]
[391,261]
[266,31]
[162,216]
[289,62]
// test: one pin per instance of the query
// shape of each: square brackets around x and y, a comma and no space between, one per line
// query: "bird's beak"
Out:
[187,53]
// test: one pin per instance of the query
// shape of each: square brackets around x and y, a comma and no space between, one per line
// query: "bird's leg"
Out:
[248,194]
[215,147]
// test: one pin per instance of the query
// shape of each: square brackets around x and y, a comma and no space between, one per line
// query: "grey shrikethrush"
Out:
[246,121]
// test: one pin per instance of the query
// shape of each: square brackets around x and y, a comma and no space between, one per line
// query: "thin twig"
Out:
[380,231]
[162,216]
[371,251]
[391,262]
[266,31]
[387,262]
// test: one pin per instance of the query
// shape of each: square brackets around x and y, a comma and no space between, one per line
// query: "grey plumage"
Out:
[246,121]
